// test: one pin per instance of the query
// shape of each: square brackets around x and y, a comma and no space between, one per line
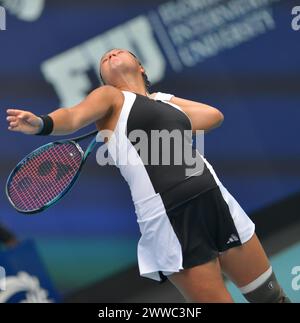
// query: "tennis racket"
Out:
[44,176]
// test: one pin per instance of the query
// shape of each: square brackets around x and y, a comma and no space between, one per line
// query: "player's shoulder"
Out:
[109,93]
[107,90]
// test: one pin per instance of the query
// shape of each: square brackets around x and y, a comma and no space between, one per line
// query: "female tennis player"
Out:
[192,228]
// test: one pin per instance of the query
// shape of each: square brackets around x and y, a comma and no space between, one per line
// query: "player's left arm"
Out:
[203,116]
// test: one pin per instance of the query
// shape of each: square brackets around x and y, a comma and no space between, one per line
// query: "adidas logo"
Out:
[232,238]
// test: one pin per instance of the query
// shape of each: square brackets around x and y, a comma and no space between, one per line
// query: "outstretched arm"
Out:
[67,120]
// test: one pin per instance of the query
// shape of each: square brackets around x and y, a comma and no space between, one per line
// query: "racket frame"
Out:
[84,156]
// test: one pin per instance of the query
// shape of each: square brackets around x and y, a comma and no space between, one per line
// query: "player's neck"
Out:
[134,86]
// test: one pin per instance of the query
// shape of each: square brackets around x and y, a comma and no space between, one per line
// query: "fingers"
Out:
[13,112]
[16,129]
[13,122]
[13,125]
[22,121]
[23,115]
[10,119]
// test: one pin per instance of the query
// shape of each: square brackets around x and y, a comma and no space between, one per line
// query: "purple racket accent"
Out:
[44,175]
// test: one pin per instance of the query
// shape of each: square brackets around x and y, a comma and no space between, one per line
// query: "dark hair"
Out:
[145,77]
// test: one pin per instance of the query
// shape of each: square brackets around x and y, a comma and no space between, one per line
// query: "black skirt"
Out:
[207,225]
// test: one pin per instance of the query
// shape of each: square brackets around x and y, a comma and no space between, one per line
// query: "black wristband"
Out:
[47,126]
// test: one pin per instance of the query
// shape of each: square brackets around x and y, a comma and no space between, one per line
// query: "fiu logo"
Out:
[296,19]
[2,18]
[26,10]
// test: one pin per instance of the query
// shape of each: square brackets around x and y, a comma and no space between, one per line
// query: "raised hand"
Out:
[24,121]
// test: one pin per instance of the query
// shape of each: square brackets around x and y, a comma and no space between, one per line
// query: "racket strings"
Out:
[44,176]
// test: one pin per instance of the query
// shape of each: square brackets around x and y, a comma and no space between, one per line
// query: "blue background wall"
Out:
[255,83]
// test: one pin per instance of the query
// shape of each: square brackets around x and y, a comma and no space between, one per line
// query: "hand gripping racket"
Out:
[44,176]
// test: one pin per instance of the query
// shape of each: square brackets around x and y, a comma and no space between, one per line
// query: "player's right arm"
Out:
[94,107]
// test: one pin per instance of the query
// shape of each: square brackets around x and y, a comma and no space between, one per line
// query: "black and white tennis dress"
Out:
[184,220]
